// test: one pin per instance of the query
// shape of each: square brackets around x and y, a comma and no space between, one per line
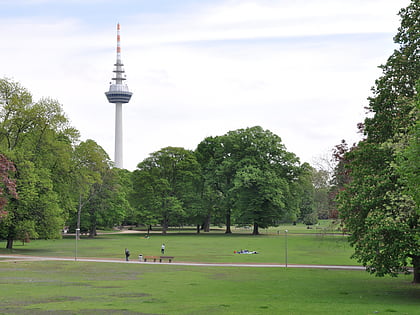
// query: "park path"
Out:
[8,258]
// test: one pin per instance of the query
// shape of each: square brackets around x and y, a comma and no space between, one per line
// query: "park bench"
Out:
[166,257]
[150,257]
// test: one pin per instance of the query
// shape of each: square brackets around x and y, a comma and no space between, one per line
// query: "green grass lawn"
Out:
[112,288]
[49,287]
[318,248]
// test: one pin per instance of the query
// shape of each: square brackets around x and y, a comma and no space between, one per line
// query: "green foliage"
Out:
[37,206]
[322,192]
[408,154]
[380,201]
[7,184]
[260,198]
[164,187]
[53,174]
[38,139]
[305,195]
[26,230]
[393,91]
[252,175]
[103,199]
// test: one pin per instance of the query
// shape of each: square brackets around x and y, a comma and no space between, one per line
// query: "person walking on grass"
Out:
[162,249]
[127,254]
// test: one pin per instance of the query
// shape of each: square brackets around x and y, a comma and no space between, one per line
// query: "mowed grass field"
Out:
[75,287]
[303,246]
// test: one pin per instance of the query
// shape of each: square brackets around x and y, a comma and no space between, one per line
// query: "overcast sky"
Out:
[299,68]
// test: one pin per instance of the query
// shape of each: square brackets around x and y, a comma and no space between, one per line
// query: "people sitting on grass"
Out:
[245,251]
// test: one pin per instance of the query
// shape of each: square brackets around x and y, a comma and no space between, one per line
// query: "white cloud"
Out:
[210,69]
[265,19]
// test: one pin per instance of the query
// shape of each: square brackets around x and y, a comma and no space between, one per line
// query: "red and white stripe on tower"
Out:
[118,42]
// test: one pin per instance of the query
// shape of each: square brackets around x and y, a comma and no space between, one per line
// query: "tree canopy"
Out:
[165,187]
[37,137]
[43,162]
[380,203]
[251,172]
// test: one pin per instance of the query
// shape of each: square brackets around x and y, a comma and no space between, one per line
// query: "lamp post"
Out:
[286,246]
[77,236]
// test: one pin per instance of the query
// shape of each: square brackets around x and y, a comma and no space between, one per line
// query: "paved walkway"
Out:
[104,260]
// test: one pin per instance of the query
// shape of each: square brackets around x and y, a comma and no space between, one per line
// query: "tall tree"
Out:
[91,169]
[235,165]
[304,195]
[108,205]
[321,184]
[208,152]
[260,197]
[384,219]
[164,187]
[38,139]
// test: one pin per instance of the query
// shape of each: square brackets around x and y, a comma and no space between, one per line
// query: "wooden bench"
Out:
[150,257]
[166,257]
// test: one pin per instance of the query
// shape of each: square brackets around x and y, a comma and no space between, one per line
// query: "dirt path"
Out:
[15,258]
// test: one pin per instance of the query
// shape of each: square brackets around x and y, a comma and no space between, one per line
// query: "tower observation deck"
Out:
[118,94]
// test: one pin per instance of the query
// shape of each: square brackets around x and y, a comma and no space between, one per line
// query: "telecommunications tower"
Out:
[118,94]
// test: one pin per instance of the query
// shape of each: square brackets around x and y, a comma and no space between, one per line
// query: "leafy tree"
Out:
[7,184]
[324,176]
[91,169]
[38,139]
[208,153]
[125,190]
[260,198]
[320,181]
[378,204]
[37,207]
[341,175]
[235,166]
[408,154]
[145,198]
[164,187]
[107,207]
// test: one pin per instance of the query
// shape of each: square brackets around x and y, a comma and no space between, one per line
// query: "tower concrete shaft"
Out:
[118,94]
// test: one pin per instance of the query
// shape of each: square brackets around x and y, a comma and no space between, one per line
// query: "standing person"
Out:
[127,254]
[162,250]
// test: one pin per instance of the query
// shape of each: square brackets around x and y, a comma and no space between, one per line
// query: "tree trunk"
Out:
[255,231]
[164,226]
[198,228]
[92,228]
[416,269]
[228,231]
[92,231]
[9,243]
[206,224]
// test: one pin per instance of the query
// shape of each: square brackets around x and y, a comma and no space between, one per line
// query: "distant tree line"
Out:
[51,180]
[245,177]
